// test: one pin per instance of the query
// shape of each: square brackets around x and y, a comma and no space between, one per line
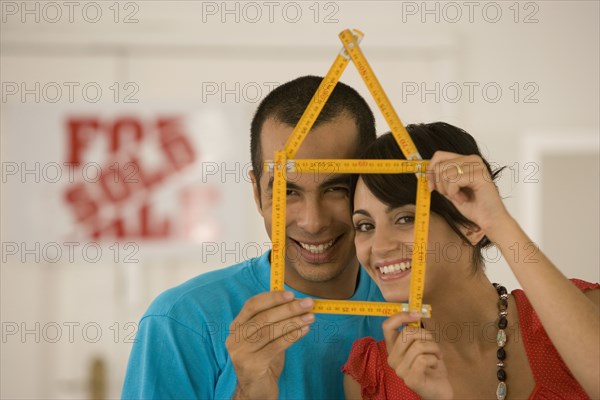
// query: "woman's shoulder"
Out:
[582,285]
[530,325]
[368,366]
[367,344]
[553,378]
[366,359]
[365,352]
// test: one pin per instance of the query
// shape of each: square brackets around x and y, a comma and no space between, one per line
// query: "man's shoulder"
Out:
[213,292]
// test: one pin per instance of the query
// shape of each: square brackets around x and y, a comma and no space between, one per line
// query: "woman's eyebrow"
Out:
[362,212]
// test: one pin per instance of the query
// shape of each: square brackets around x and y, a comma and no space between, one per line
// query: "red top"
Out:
[368,365]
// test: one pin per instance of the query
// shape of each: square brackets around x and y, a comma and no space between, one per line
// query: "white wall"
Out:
[177,49]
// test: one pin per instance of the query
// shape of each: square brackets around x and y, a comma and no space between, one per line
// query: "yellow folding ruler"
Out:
[283,163]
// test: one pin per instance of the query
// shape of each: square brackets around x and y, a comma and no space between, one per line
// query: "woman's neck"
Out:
[464,314]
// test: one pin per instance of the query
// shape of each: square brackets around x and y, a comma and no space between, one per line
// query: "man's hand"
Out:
[266,326]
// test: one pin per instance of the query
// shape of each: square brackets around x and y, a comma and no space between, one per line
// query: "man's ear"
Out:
[474,235]
[256,191]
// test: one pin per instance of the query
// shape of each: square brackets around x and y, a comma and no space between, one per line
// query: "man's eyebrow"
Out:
[293,186]
[339,179]
[289,185]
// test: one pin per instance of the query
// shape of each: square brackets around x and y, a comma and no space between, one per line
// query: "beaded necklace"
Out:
[501,340]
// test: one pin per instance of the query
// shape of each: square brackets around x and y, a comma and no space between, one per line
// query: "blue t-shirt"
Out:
[180,353]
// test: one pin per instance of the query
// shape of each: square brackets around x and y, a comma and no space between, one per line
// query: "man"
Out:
[223,334]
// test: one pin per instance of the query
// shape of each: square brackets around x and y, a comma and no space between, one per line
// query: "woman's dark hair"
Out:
[396,190]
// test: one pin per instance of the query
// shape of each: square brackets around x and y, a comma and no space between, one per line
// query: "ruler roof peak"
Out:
[350,51]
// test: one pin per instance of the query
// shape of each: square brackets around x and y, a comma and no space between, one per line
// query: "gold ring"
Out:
[459,170]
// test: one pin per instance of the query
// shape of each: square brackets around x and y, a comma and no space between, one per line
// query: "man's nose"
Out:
[314,217]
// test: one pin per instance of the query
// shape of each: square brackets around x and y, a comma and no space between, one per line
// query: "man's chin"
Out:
[319,272]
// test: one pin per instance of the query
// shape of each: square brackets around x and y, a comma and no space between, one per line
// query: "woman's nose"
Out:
[384,241]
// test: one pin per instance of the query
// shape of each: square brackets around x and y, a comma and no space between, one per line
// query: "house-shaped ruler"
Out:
[283,162]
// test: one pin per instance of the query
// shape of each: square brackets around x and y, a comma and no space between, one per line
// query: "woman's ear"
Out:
[473,234]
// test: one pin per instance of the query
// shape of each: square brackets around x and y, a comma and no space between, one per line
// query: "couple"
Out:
[224,335]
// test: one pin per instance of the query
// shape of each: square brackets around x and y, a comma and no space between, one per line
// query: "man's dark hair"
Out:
[286,104]
[396,190]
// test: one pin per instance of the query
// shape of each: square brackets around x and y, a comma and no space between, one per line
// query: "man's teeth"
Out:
[403,266]
[317,249]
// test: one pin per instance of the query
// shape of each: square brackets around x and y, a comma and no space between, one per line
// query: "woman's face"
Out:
[384,241]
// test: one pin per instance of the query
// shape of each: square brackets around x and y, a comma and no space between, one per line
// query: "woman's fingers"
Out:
[467,183]
[410,343]
[448,173]
[392,326]
[417,358]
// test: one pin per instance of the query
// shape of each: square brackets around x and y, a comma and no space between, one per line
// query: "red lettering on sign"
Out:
[122,127]
[81,202]
[126,177]
[79,132]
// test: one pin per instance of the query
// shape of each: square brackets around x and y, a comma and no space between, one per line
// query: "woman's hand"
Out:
[416,358]
[473,193]
[466,182]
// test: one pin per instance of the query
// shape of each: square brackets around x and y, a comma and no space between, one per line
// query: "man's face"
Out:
[319,230]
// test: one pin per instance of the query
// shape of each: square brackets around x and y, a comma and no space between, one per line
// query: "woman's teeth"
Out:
[390,269]
[317,249]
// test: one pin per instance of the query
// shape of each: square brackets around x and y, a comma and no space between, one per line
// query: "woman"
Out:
[481,341]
